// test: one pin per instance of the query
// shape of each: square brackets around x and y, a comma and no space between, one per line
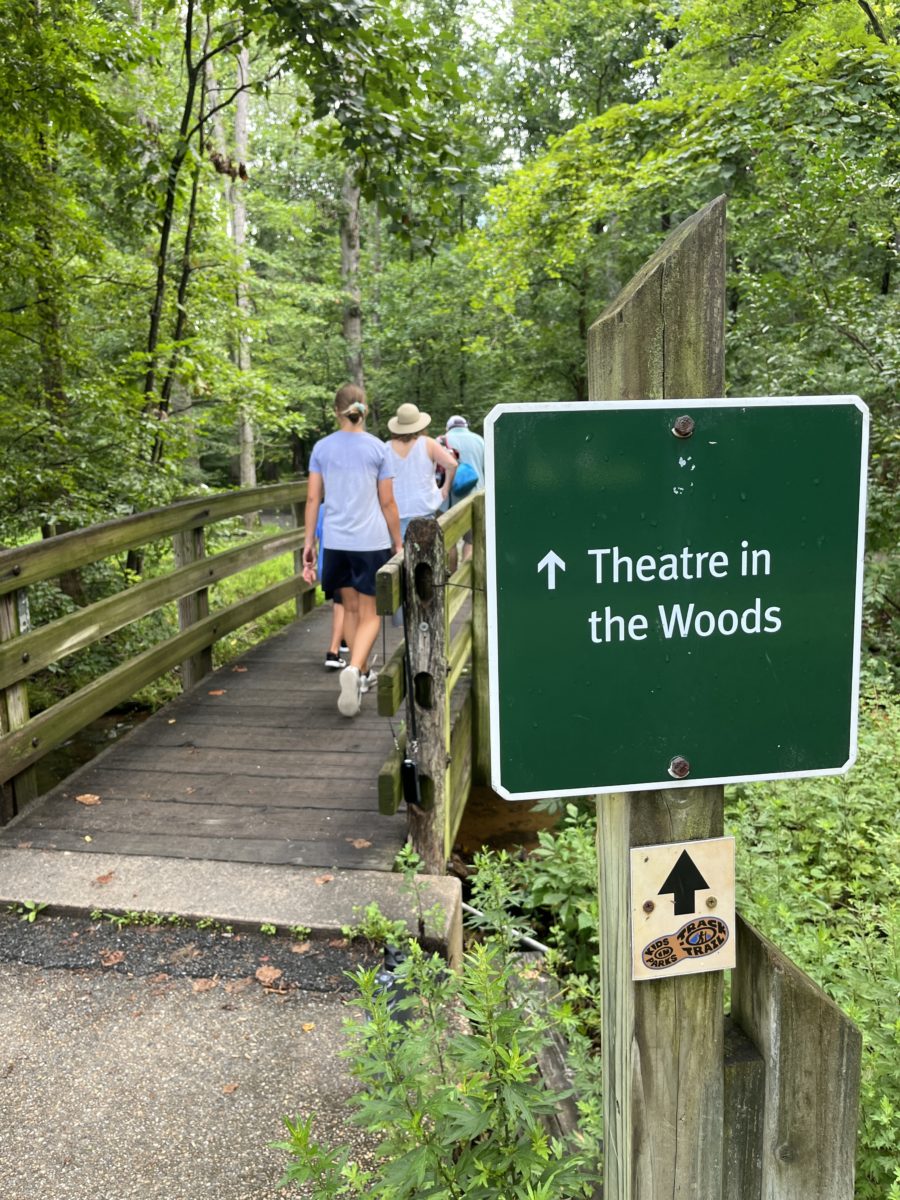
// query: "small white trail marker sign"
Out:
[682,908]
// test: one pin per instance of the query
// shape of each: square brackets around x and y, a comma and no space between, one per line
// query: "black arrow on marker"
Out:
[683,881]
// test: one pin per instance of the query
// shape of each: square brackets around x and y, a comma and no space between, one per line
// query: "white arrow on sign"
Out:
[551,561]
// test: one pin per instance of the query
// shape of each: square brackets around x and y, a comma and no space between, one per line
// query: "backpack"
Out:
[464,481]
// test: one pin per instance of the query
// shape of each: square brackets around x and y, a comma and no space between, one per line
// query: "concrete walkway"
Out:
[244,895]
[120,1088]
[121,1084]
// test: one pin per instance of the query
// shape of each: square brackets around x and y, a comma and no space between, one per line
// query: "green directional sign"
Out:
[674,591]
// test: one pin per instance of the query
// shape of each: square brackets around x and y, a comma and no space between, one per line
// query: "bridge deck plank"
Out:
[255,764]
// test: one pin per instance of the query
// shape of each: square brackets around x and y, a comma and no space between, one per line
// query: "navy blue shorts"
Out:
[351,569]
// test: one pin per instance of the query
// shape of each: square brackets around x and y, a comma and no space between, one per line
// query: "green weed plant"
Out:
[448,1082]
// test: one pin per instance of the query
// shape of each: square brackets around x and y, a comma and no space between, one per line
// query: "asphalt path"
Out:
[159,1062]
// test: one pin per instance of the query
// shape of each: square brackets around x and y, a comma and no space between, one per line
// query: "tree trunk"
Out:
[167,216]
[239,232]
[352,322]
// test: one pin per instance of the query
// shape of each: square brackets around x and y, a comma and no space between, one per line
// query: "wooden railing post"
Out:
[481,707]
[14,713]
[429,703]
[802,1144]
[661,338]
[189,547]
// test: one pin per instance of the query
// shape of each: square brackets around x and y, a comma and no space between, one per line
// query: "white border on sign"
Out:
[676,405]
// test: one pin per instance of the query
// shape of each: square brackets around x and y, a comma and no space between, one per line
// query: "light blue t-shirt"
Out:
[351,464]
[471,450]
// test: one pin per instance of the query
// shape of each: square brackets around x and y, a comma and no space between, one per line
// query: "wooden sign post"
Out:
[663,337]
[707,590]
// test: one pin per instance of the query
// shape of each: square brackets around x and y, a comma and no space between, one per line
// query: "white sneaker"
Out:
[368,681]
[350,699]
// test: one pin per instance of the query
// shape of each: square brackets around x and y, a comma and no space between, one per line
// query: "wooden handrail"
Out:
[26,745]
[32,652]
[23,652]
[36,561]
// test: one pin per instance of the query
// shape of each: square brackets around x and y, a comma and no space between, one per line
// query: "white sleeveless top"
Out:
[415,490]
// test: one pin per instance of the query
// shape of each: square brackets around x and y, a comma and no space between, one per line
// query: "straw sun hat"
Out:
[408,420]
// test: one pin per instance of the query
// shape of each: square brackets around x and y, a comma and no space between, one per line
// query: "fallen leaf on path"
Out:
[88,798]
[239,670]
[23,845]
[268,975]
[171,721]
[308,1026]
[107,878]
[338,943]
[88,838]
[217,692]
[359,843]
[320,879]
[230,1088]
[185,952]
[204,985]
[238,985]
[112,958]
[299,947]
[159,977]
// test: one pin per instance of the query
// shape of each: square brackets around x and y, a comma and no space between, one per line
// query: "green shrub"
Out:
[818,872]
[551,892]
[449,1083]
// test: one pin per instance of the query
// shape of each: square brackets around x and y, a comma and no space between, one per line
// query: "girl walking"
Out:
[414,460]
[351,472]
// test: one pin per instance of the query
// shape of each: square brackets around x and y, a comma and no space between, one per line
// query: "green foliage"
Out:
[268,929]
[28,910]
[132,917]
[449,1084]
[819,874]
[557,884]
[818,865]
[375,928]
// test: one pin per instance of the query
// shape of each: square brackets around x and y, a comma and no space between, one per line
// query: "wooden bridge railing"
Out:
[446,626]
[24,651]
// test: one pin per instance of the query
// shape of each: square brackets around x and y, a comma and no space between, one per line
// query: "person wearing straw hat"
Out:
[414,459]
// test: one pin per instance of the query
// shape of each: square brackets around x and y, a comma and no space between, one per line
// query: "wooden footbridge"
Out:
[253,762]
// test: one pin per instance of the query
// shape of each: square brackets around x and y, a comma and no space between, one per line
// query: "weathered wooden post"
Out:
[663,337]
[481,720]
[14,705]
[189,546]
[427,698]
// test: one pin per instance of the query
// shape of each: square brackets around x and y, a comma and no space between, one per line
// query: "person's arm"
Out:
[447,460]
[314,493]
[391,512]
